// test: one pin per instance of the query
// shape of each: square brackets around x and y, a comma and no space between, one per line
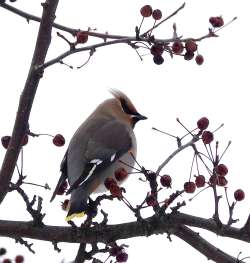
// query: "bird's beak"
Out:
[141,117]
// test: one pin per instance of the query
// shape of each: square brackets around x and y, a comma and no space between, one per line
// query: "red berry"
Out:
[177,47]
[109,182]
[216,21]
[146,11]
[121,174]
[114,251]
[19,259]
[158,59]
[151,200]
[122,257]
[221,181]
[239,195]
[25,140]
[6,260]
[157,15]
[189,187]
[188,55]
[200,180]
[115,190]
[62,189]
[65,205]
[2,251]
[203,123]
[199,60]
[58,140]
[166,180]
[82,37]
[5,141]
[221,169]
[157,49]
[207,137]
[191,46]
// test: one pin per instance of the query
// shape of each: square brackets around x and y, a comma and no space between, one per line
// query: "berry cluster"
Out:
[5,140]
[18,258]
[119,253]
[147,11]
[112,183]
[220,170]
[58,140]
[188,48]
[165,181]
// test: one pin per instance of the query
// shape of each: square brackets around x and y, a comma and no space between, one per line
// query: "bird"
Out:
[104,142]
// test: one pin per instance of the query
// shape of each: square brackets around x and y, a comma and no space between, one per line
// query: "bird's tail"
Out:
[77,205]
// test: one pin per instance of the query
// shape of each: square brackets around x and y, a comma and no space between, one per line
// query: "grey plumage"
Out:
[95,150]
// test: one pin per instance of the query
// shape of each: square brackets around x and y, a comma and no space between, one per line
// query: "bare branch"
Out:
[171,156]
[27,97]
[30,17]
[81,254]
[207,249]
[164,20]
[109,233]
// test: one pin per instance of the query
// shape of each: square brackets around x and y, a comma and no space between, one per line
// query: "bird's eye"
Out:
[126,108]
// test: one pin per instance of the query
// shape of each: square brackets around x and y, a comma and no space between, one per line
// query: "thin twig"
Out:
[164,20]
[171,156]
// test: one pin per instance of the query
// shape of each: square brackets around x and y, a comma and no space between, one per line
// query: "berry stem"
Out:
[228,23]
[190,199]
[229,143]
[177,119]
[197,164]
[211,152]
[192,165]
[188,133]
[39,185]
[139,29]
[38,134]
[87,61]
[139,171]
[199,155]
[208,153]
[218,128]
[150,33]
[155,129]
[165,19]
[133,157]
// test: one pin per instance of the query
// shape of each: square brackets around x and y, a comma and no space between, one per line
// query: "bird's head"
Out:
[121,107]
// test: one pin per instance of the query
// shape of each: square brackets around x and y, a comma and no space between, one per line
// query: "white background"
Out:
[218,89]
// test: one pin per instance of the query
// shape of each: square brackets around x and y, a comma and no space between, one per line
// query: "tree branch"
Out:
[109,233]
[179,149]
[31,17]
[80,257]
[207,249]
[27,96]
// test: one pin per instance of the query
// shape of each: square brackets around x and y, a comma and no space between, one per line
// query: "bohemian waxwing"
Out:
[95,150]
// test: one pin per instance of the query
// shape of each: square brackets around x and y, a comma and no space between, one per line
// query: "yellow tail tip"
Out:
[70,217]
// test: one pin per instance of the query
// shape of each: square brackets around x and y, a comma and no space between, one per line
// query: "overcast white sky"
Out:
[218,89]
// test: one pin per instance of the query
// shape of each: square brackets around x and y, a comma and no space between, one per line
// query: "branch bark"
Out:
[207,249]
[108,233]
[27,96]
[171,224]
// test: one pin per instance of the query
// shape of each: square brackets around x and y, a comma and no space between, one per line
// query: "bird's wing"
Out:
[63,176]
[104,147]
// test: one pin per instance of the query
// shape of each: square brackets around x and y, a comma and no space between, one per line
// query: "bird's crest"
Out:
[124,99]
